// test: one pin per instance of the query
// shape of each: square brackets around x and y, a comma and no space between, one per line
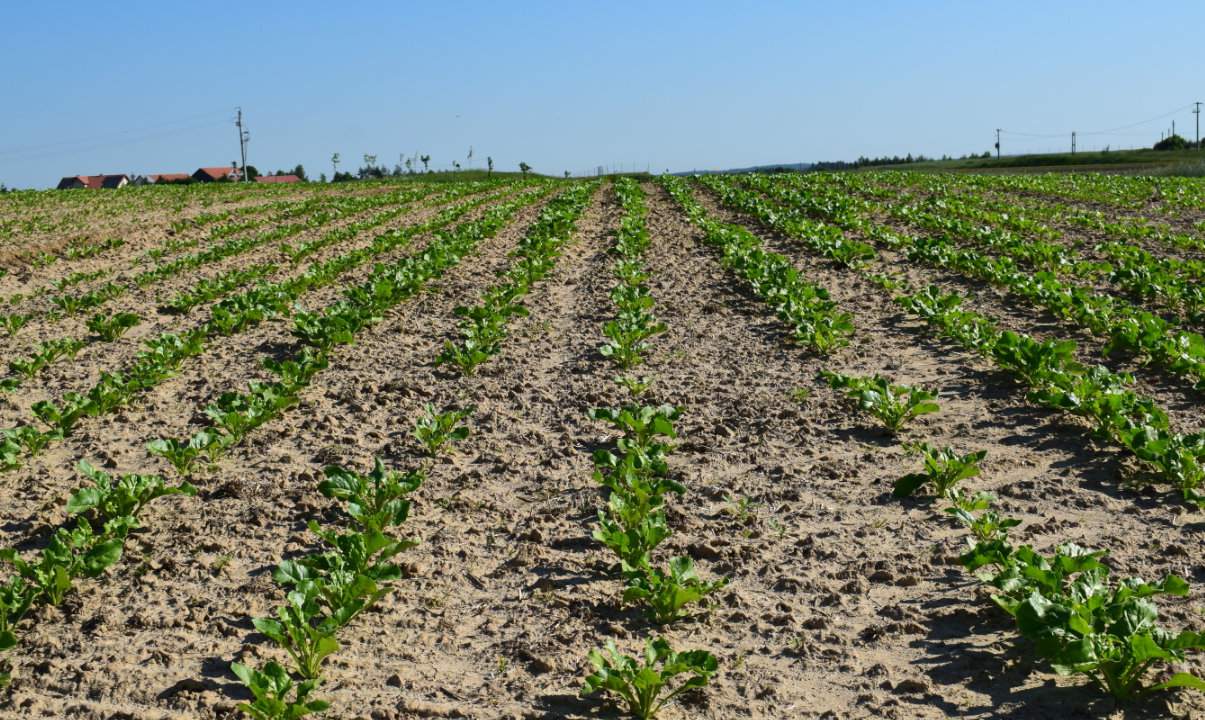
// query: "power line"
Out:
[1109,131]
[1143,122]
[79,150]
[146,130]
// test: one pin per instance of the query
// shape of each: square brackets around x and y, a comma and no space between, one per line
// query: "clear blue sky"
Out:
[151,87]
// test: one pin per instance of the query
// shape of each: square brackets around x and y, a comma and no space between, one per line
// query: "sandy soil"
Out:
[97,357]
[843,602]
[143,226]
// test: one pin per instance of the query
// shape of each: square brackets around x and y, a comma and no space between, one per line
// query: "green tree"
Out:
[524,168]
[1172,142]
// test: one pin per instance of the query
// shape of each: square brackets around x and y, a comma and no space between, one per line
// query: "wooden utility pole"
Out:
[1197,111]
[243,137]
[997,143]
[1072,142]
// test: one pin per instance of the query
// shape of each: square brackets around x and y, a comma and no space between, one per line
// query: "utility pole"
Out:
[243,138]
[1197,112]
[997,143]
[1072,142]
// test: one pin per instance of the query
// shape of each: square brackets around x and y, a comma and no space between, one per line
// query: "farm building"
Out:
[215,174]
[157,178]
[93,182]
[277,179]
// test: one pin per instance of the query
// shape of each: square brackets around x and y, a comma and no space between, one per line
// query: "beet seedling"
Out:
[111,327]
[636,386]
[666,594]
[302,630]
[944,469]
[277,697]
[182,454]
[120,497]
[12,322]
[350,577]
[631,536]
[377,500]
[643,685]
[71,553]
[893,405]
[641,425]
[437,430]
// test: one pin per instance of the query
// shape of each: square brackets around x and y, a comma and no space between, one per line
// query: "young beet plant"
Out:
[376,500]
[633,523]
[1076,618]
[666,594]
[944,469]
[11,323]
[438,430]
[105,513]
[326,590]
[111,327]
[893,405]
[646,685]
[277,697]
[636,386]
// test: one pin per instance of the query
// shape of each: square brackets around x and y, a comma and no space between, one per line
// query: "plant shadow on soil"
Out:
[560,705]
[954,659]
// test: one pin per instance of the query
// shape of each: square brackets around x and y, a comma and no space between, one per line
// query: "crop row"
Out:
[1175,282]
[110,327]
[813,317]
[1077,619]
[634,323]
[233,415]
[332,581]
[172,244]
[1167,195]
[1134,422]
[637,479]
[482,327]
[1003,196]
[103,514]
[57,212]
[1074,616]
[231,316]
[326,590]
[1125,326]
[354,570]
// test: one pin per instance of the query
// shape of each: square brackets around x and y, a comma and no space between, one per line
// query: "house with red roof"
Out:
[277,179]
[217,174]
[167,177]
[93,182]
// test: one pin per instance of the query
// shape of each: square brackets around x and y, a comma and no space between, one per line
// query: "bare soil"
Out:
[843,602]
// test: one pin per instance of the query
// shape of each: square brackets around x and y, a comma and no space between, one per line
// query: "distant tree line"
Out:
[888,160]
[372,170]
[1175,142]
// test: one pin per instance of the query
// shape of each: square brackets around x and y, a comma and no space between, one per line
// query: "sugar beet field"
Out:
[872,445]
